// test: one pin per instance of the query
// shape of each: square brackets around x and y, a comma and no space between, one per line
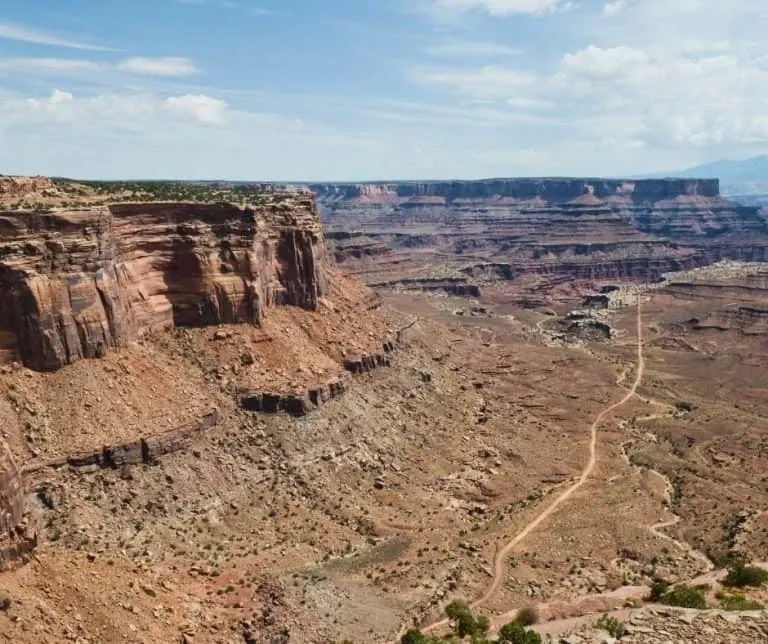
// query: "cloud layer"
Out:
[467,88]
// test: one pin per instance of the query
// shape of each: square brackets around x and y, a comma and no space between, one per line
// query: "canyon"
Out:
[211,432]
[545,234]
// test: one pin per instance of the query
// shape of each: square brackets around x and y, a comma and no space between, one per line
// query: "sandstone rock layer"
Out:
[455,236]
[75,283]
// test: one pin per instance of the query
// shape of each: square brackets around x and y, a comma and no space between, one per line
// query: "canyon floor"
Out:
[340,472]
[372,511]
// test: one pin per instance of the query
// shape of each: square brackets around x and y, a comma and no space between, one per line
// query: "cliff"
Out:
[467,233]
[75,283]
[17,538]
[549,189]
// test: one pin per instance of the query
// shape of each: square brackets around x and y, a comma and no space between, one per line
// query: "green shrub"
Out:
[5,603]
[528,616]
[516,633]
[413,636]
[740,575]
[685,597]
[739,602]
[611,625]
[464,623]
[659,588]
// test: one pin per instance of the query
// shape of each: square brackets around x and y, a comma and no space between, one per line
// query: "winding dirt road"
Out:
[503,554]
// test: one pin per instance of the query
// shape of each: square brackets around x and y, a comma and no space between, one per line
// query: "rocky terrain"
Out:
[541,234]
[663,624]
[213,434]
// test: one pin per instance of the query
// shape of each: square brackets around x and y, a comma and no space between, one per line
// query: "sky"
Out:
[352,90]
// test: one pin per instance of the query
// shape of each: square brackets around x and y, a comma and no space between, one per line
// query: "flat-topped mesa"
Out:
[443,234]
[75,283]
[548,189]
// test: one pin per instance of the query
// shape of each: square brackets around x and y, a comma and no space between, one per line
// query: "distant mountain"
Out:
[746,177]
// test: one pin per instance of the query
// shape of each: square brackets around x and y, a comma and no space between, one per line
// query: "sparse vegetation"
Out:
[516,633]
[739,602]
[685,597]
[473,629]
[465,624]
[528,616]
[740,575]
[659,588]
[611,625]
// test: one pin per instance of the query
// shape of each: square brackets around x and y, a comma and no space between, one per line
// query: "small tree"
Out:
[464,623]
[413,636]
[528,615]
[516,633]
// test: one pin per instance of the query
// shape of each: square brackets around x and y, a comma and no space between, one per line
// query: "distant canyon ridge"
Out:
[540,235]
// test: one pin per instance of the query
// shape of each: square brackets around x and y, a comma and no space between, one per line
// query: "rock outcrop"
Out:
[143,451]
[301,403]
[17,537]
[455,235]
[76,283]
[736,300]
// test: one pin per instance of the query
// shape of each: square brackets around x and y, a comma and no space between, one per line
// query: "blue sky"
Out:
[291,90]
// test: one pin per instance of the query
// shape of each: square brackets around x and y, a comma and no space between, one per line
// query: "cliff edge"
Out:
[75,283]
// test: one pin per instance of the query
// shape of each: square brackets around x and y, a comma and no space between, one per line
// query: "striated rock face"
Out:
[17,538]
[549,189]
[415,235]
[142,451]
[735,302]
[74,284]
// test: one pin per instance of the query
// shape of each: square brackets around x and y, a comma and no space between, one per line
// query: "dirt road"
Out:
[503,554]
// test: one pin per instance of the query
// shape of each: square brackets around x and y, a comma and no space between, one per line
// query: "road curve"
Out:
[503,554]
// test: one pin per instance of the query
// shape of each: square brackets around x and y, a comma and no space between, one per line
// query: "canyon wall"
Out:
[466,233]
[549,189]
[75,283]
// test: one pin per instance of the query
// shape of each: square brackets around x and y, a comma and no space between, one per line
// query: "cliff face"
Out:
[500,229]
[75,283]
[554,189]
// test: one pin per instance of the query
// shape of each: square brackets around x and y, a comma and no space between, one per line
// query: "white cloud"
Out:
[685,99]
[113,111]
[604,63]
[467,49]
[199,106]
[158,66]
[30,35]
[163,67]
[614,7]
[56,65]
[490,81]
[526,103]
[503,7]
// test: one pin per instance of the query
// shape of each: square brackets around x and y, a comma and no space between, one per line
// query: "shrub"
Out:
[528,616]
[413,636]
[685,597]
[739,602]
[659,588]
[740,576]
[516,633]
[611,625]
[5,603]
[465,624]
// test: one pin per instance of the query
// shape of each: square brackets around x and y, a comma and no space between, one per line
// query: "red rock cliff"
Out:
[421,234]
[76,283]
